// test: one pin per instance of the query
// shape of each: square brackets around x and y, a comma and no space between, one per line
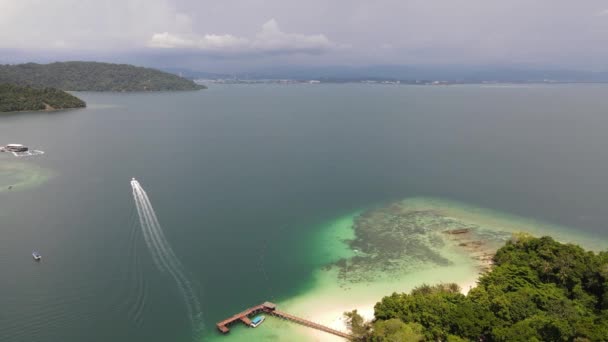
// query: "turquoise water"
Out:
[254,187]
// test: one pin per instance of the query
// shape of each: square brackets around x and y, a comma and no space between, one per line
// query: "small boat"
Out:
[257,320]
[36,256]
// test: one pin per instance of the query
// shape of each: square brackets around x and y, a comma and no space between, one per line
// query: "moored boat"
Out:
[36,256]
[257,320]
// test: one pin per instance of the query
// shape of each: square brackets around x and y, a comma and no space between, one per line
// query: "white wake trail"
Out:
[150,229]
[159,247]
[146,232]
[163,255]
[157,232]
[168,257]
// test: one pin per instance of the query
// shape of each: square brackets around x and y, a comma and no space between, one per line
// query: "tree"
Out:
[356,324]
[538,290]
[394,330]
[19,98]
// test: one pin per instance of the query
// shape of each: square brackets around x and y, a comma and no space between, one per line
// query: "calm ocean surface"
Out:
[241,176]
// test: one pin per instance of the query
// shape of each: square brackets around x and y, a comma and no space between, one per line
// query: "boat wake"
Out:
[138,291]
[164,257]
[29,153]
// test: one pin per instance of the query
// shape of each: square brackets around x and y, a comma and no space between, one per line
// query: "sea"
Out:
[237,186]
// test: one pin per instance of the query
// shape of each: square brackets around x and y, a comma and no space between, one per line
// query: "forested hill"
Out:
[93,76]
[19,98]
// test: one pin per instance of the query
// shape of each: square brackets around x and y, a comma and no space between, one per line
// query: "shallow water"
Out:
[254,187]
[17,176]
[336,289]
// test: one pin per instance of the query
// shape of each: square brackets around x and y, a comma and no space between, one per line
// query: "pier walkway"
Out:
[271,309]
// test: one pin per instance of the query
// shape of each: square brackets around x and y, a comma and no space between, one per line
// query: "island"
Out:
[32,87]
[538,289]
[14,98]
[93,76]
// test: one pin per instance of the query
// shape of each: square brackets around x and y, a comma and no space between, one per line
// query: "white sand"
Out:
[328,302]
[334,317]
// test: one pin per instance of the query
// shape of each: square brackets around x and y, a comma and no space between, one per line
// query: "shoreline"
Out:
[434,230]
[335,318]
[327,305]
[42,110]
[469,250]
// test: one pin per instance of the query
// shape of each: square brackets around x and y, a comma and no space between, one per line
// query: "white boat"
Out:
[36,256]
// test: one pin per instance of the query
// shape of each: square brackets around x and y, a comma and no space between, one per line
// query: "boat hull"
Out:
[257,322]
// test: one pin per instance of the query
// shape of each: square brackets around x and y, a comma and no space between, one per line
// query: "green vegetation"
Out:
[356,324]
[93,76]
[18,98]
[538,290]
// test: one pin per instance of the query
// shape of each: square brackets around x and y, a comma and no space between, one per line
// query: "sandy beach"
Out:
[327,304]
[334,317]
[471,237]
[443,242]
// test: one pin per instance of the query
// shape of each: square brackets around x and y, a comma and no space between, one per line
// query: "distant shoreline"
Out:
[383,82]
[135,91]
[42,110]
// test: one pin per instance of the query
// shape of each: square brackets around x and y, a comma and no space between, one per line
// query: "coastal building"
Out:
[15,148]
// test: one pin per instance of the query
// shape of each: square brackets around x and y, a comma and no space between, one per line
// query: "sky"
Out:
[230,35]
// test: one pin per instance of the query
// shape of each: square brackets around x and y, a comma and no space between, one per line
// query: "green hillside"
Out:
[93,76]
[19,98]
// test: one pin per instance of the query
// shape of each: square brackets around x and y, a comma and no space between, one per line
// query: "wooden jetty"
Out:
[244,316]
[271,309]
[309,324]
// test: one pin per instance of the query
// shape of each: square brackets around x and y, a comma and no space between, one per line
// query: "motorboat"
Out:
[256,321]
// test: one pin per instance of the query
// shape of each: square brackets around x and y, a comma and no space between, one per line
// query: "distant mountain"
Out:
[193,75]
[22,98]
[93,76]
[464,74]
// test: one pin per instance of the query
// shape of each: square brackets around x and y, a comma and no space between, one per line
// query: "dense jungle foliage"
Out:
[538,290]
[18,98]
[93,76]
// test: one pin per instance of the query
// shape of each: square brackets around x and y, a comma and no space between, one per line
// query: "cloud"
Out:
[86,24]
[203,32]
[211,42]
[271,39]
